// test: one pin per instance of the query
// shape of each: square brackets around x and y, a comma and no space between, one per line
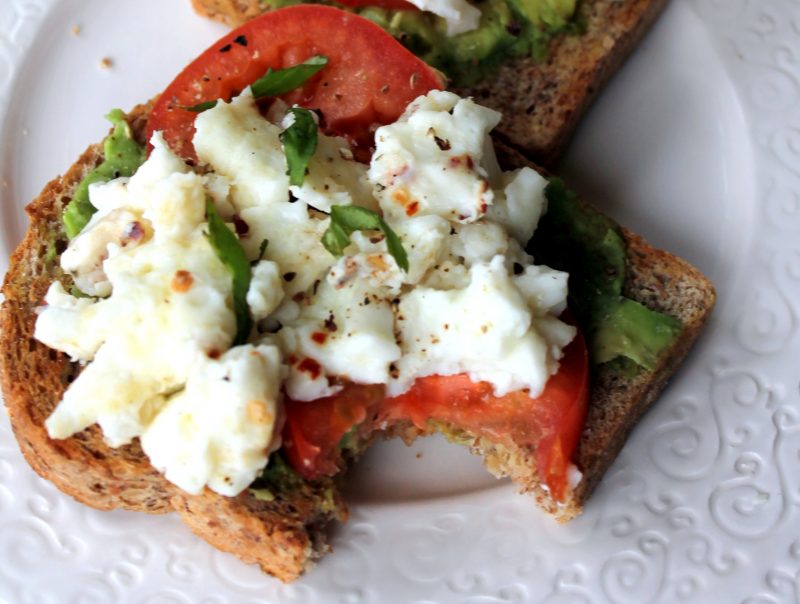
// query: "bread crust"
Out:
[286,535]
[541,102]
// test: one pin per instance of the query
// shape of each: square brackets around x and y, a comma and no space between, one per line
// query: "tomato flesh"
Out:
[314,429]
[369,79]
[549,426]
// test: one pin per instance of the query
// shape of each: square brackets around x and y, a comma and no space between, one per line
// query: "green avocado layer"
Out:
[574,237]
[508,28]
[123,156]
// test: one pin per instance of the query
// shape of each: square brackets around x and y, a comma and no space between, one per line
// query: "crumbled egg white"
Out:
[155,341]
[238,143]
[345,331]
[266,289]
[214,431]
[429,161]
[485,329]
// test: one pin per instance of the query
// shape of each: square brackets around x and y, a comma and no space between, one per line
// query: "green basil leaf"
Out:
[231,253]
[299,143]
[281,81]
[122,157]
[347,219]
[276,82]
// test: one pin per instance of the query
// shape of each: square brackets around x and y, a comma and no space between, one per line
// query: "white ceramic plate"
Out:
[696,144]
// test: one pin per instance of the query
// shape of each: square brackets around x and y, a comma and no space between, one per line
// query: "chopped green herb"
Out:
[347,219]
[200,107]
[230,251]
[281,81]
[276,82]
[262,249]
[76,292]
[299,143]
[123,156]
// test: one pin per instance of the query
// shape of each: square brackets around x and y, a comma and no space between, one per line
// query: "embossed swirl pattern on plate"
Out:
[705,514]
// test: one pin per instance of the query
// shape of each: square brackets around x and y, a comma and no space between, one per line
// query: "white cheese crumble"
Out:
[156,334]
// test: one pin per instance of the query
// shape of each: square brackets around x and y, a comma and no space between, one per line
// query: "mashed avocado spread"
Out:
[122,157]
[508,28]
[576,238]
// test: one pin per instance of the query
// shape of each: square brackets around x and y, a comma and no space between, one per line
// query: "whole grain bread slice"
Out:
[542,102]
[286,534]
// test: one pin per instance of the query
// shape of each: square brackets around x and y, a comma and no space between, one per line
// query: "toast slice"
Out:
[285,533]
[541,102]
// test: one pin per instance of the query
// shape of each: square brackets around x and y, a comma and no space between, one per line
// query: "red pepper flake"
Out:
[292,359]
[319,337]
[330,323]
[455,162]
[182,281]
[311,367]
[214,353]
[400,196]
[412,208]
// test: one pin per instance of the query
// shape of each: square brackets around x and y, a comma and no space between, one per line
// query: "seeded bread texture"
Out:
[284,536]
[541,102]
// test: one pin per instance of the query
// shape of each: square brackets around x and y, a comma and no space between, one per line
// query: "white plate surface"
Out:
[696,145]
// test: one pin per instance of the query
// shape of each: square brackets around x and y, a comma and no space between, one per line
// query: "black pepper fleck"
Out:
[225,48]
[241,40]
[330,324]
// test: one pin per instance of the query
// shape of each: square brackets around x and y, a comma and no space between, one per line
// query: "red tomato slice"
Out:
[549,426]
[369,79]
